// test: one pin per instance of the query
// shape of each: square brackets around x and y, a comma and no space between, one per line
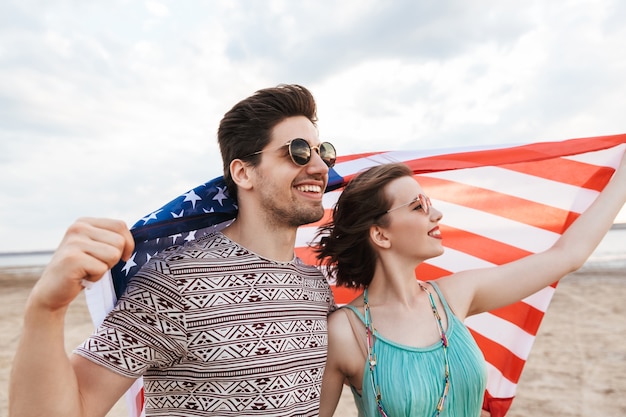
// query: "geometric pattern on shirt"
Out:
[216,330]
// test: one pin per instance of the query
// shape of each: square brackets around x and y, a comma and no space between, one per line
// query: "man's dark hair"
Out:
[245,129]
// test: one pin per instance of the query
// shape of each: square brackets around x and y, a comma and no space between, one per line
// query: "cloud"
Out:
[414,32]
[111,108]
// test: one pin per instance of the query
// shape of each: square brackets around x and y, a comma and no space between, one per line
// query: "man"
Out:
[232,324]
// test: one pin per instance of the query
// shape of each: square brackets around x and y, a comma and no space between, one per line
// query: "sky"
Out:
[110,108]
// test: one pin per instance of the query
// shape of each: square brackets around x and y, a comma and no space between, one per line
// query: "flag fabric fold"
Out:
[500,203]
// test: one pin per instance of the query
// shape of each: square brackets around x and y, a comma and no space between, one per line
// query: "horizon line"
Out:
[615,226]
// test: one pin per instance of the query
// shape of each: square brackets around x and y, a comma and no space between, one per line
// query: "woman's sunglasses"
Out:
[300,152]
[424,205]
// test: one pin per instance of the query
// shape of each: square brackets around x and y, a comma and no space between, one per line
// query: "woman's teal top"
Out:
[411,379]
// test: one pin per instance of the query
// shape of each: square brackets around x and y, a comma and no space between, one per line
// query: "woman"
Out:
[402,345]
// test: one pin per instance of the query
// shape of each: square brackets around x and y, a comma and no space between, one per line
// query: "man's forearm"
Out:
[43,382]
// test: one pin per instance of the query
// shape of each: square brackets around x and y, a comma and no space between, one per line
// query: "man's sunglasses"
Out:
[300,152]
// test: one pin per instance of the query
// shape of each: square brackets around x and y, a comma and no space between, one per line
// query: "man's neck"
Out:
[266,241]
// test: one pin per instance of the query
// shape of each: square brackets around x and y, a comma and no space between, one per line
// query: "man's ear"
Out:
[378,236]
[241,173]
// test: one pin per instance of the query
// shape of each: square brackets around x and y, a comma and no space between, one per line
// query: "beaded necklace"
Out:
[371,354]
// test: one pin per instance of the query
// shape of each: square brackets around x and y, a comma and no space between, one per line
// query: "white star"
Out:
[191,236]
[151,216]
[220,196]
[174,237]
[176,216]
[148,256]
[208,211]
[193,197]
[129,264]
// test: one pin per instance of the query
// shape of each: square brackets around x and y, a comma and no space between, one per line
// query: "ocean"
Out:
[610,254]
[25,260]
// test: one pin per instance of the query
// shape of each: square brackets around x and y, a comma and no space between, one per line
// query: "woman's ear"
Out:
[378,236]
[240,172]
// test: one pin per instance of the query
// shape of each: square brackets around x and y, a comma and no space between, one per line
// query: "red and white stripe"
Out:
[499,204]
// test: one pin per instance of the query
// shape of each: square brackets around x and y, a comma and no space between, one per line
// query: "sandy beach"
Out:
[577,366]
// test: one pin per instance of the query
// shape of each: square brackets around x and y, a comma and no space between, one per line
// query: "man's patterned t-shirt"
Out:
[216,330]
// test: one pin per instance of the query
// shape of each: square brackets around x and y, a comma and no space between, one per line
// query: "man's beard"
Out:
[293,215]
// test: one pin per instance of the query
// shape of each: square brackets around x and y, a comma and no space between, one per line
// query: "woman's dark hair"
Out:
[344,247]
[245,129]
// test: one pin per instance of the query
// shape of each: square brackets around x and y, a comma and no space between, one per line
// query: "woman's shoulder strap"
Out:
[355,311]
[357,330]
[444,302]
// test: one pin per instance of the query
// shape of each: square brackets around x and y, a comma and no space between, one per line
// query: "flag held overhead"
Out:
[500,203]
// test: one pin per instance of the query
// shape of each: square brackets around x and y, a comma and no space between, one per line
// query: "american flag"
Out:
[500,203]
